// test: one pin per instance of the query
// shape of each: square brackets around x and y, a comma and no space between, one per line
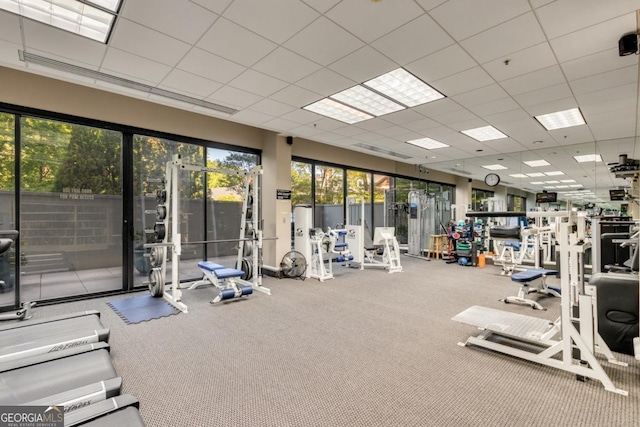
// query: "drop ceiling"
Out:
[498,63]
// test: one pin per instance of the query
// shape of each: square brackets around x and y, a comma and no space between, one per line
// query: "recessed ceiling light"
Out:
[549,186]
[495,167]
[537,182]
[537,163]
[519,175]
[562,186]
[567,181]
[335,110]
[552,182]
[403,87]
[485,133]
[561,119]
[575,185]
[588,158]
[554,173]
[367,100]
[427,143]
[535,174]
[74,16]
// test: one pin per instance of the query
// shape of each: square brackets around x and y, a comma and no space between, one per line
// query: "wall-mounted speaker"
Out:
[628,44]
[289,140]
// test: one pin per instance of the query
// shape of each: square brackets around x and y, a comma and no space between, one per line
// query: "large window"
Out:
[329,197]
[300,184]
[479,199]
[359,191]
[70,209]
[516,203]
[7,212]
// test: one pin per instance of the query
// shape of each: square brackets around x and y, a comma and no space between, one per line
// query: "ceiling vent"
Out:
[382,151]
[30,58]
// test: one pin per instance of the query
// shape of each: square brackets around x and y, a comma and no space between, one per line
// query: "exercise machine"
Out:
[365,251]
[170,196]
[526,278]
[571,342]
[228,281]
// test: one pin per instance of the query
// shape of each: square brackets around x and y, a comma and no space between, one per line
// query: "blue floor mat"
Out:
[142,308]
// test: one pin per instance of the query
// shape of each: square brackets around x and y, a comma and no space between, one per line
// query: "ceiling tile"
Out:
[10,28]
[217,6]
[62,43]
[604,99]
[448,61]
[128,65]
[181,19]
[281,125]
[403,116]
[551,105]
[233,97]
[422,124]
[512,36]
[295,95]
[189,84]
[429,4]
[321,6]
[147,43]
[323,42]
[483,95]
[494,107]
[373,124]
[465,81]
[606,60]
[583,13]
[363,64]
[253,117]
[271,107]
[258,83]
[601,37]
[305,117]
[275,23]
[369,20]
[286,65]
[546,77]
[464,18]
[247,47]
[619,77]
[426,36]
[551,93]
[210,66]
[325,82]
[521,63]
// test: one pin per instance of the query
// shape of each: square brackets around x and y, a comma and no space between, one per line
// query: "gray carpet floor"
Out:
[365,349]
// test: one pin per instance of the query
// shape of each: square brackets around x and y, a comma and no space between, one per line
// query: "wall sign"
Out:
[283,194]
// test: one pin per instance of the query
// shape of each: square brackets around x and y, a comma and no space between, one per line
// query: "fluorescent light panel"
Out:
[575,185]
[567,181]
[535,174]
[561,119]
[552,182]
[486,133]
[428,143]
[536,182]
[537,163]
[69,15]
[367,100]
[404,87]
[495,167]
[335,110]
[588,158]
[519,175]
[554,173]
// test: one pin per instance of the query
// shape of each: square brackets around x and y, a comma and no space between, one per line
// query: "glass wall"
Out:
[7,207]
[516,203]
[381,191]
[359,191]
[477,198]
[70,209]
[329,197]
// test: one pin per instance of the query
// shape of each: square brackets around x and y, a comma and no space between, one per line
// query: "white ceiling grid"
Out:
[497,65]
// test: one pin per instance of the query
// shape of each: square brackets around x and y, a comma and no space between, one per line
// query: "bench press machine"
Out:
[571,342]
[227,280]
[525,278]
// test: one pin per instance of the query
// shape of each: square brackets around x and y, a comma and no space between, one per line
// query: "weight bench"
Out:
[525,278]
[223,278]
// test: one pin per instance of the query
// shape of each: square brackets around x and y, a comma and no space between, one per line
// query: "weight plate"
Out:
[157,256]
[247,268]
[161,212]
[159,231]
[156,282]
[247,248]
[161,196]
[249,213]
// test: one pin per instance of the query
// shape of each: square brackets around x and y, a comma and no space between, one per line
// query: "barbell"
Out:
[204,242]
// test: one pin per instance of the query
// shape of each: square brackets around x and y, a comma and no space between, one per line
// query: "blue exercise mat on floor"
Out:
[142,308]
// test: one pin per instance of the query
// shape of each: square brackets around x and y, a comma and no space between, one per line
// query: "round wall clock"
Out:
[492,179]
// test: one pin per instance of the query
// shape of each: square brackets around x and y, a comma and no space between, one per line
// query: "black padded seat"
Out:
[617,300]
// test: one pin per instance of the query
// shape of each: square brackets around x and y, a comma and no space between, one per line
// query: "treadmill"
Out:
[31,338]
